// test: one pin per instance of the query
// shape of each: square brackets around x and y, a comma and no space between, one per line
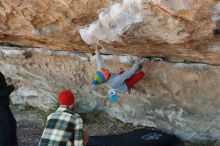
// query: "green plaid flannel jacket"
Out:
[62,128]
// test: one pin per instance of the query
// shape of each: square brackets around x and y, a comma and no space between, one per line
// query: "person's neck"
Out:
[64,106]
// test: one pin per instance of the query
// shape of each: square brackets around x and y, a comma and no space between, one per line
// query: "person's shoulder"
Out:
[57,113]
[76,118]
[76,115]
[112,75]
[52,116]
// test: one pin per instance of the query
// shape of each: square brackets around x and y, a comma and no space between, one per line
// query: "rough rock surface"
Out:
[178,30]
[176,97]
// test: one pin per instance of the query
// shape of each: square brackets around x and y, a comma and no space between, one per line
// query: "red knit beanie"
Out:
[65,98]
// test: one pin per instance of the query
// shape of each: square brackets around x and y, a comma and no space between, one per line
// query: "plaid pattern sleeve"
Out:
[61,127]
[78,132]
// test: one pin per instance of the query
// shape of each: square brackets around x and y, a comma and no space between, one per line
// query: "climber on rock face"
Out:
[121,82]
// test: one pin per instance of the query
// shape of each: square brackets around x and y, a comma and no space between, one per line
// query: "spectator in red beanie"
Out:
[66,99]
[64,127]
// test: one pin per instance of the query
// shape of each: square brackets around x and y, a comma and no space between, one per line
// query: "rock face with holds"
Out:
[56,39]
[178,30]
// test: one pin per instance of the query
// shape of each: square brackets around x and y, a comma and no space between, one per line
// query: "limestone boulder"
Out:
[177,98]
[177,30]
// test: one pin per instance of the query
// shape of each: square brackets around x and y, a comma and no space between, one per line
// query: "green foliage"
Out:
[44,114]
[26,107]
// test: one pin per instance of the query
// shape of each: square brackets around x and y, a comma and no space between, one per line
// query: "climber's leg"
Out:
[134,79]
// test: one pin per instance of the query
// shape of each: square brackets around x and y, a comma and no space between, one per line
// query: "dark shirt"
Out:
[4,95]
[5,91]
